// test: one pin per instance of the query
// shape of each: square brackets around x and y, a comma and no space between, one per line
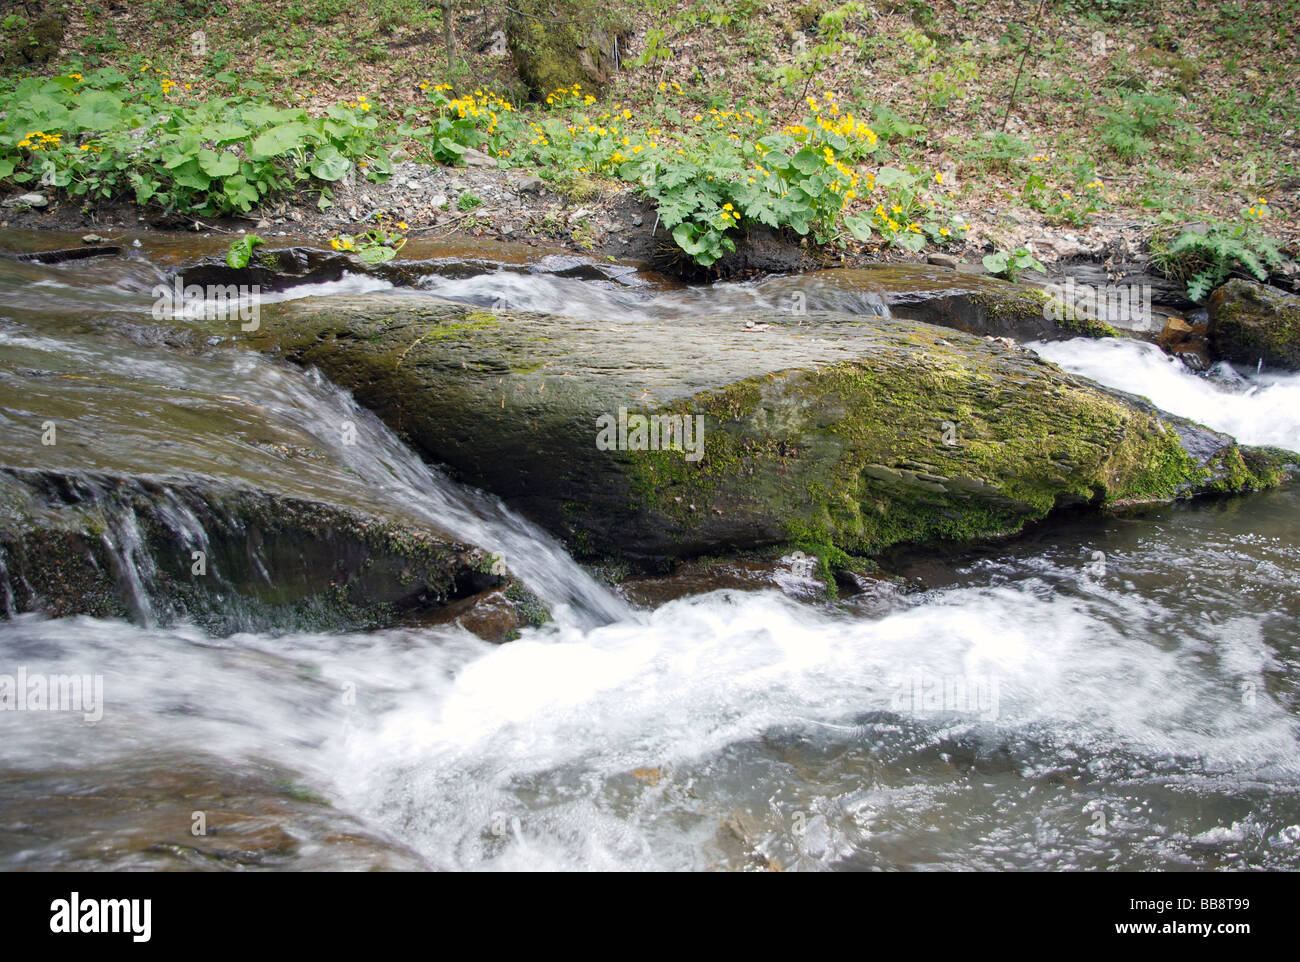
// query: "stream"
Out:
[1108,692]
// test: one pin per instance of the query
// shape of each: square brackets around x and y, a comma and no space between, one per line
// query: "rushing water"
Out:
[1110,692]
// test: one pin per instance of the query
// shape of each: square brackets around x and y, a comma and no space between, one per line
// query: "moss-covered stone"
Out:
[850,433]
[27,43]
[1252,323]
[564,42]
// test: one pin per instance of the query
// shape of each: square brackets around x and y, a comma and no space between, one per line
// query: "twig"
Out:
[1015,87]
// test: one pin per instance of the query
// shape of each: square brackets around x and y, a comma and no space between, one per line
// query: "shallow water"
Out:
[1113,692]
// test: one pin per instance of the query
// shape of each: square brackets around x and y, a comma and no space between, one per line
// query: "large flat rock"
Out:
[846,431]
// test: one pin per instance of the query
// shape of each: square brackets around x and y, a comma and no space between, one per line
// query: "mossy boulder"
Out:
[28,43]
[1252,323]
[851,432]
[565,42]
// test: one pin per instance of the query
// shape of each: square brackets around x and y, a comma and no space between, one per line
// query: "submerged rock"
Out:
[496,615]
[1252,323]
[852,432]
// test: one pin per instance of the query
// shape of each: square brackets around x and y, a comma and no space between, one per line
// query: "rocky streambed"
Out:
[843,414]
[895,568]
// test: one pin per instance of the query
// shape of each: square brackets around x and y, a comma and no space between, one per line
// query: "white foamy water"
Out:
[1255,408]
[650,743]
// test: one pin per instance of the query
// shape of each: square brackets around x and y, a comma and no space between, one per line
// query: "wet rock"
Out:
[796,575]
[1194,354]
[496,615]
[68,254]
[942,260]
[75,543]
[1187,342]
[138,815]
[1252,323]
[975,440]
[966,302]
[1175,332]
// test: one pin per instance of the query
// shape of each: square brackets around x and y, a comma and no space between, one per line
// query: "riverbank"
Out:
[1088,134]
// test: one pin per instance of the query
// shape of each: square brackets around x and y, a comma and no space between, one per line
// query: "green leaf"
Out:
[909,240]
[889,176]
[376,254]
[329,164]
[224,133]
[97,111]
[218,164]
[6,168]
[808,161]
[189,175]
[859,226]
[241,250]
[993,263]
[240,193]
[278,140]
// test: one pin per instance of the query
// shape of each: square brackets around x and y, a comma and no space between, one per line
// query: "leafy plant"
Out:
[110,134]
[1009,264]
[240,251]
[375,246]
[1128,128]
[1205,258]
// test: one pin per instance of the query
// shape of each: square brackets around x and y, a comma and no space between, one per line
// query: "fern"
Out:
[1205,260]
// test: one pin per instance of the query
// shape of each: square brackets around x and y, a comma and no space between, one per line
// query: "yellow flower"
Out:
[938,177]
[943,231]
[401,225]
[698,118]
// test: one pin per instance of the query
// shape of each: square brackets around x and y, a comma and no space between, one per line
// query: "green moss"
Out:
[878,472]
[1034,306]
